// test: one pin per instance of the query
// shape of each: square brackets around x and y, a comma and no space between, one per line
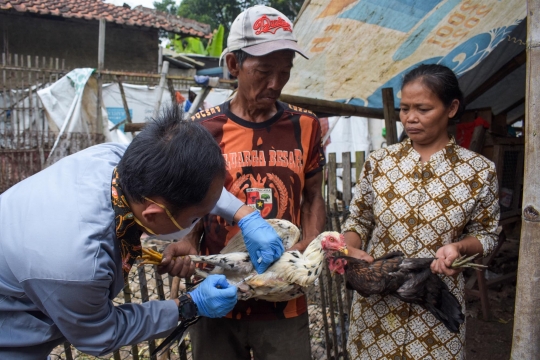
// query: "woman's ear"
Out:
[453,108]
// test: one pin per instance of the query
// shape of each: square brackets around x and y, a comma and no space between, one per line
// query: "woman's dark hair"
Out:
[171,158]
[441,81]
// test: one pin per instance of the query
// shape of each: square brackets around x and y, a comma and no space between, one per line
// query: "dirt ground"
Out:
[492,339]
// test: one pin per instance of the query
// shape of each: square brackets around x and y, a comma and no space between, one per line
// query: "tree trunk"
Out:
[526,341]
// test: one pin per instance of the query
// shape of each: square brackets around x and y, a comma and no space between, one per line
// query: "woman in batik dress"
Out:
[426,197]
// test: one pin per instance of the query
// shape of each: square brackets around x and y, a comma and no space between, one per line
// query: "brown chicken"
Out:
[410,280]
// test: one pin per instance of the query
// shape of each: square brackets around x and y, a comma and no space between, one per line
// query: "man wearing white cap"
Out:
[274,160]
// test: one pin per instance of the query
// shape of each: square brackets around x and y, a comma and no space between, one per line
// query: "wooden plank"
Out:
[342,315]
[501,279]
[127,299]
[513,106]
[161,87]
[483,289]
[144,296]
[138,76]
[134,127]
[477,139]
[101,62]
[67,351]
[498,125]
[500,74]
[323,310]
[332,107]
[332,314]
[170,86]
[526,335]
[346,175]
[124,100]
[389,116]
[332,188]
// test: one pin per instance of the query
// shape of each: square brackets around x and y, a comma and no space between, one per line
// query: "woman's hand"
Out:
[359,254]
[445,257]
[354,243]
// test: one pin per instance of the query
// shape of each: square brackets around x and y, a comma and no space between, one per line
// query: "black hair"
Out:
[441,81]
[241,56]
[171,158]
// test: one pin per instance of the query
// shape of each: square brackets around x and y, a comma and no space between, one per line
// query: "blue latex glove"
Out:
[214,297]
[262,242]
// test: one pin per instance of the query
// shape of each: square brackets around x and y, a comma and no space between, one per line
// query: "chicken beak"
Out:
[344,251]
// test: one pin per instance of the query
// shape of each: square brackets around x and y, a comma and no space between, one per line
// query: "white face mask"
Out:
[172,236]
[175,235]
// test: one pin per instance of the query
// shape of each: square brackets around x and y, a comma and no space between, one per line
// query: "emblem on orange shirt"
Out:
[262,193]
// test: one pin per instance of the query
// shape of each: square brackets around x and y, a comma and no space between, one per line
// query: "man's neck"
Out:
[240,107]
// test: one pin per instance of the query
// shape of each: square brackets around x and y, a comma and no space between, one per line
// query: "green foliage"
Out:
[212,12]
[265,196]
[216,12]
[188,45]
[168,6]
[215,47]
[290,8]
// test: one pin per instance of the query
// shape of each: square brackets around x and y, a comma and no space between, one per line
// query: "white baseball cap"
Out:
[260,30]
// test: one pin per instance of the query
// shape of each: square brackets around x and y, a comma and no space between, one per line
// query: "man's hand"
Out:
[359,254]
[298,246]
[175,263]
[214,297]
[262,242]
[445,257]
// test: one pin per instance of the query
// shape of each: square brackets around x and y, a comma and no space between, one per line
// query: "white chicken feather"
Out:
[284,280]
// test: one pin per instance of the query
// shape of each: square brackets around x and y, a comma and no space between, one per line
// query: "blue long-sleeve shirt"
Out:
[60,264]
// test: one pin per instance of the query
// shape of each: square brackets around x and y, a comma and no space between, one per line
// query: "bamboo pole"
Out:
[161,87]
[101,61]
[332,107]
[526,338]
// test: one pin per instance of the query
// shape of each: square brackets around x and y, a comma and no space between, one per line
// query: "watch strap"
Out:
[187,309]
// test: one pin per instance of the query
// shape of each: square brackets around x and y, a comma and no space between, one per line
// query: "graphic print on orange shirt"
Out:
[267,165]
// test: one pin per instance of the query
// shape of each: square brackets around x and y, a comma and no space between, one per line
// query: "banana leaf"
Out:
[215,47]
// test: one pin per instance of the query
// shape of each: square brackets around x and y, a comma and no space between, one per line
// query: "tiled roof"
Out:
[97,9]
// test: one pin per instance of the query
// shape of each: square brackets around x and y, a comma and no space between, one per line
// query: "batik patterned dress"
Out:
[403,204]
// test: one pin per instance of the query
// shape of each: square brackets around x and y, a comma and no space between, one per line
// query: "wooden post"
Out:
[162,84]
[526,338]
[389,116]
[101,61]
[360,158]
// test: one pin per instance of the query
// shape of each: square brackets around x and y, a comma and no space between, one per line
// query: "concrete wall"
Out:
[76,41]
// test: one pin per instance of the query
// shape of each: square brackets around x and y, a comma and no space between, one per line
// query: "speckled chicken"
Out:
[410,280]
[284,280]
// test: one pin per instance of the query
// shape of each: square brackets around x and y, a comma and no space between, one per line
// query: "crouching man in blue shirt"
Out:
[70,234]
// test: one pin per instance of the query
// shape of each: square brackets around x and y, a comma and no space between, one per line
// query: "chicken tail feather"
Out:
[175,335]
[447,310]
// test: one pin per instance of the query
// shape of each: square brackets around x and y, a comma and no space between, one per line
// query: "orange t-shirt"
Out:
[267,164]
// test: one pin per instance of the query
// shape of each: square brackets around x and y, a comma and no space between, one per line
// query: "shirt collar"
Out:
[449,151]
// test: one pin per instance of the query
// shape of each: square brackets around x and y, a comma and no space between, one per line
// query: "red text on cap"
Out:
[265,25]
